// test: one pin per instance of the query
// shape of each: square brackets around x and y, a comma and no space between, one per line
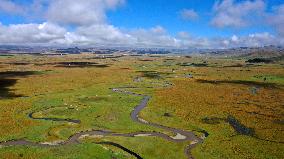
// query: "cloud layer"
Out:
[31,33]
[90,26]
[10,7]
[227,13]
[83,12]
[277,19]
[189,14]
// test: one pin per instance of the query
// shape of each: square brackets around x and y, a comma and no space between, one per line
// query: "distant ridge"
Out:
[265,51]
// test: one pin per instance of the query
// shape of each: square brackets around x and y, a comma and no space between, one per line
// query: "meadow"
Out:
[234,108]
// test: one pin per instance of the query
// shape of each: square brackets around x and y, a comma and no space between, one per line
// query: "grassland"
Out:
[239,105]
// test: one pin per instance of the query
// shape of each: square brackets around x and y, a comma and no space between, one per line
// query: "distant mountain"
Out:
[242,52]
[248,52]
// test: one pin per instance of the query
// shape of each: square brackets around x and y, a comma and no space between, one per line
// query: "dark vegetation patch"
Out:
[77,63]
[80,64]
[155,56]
[5,91]
[101,66]
[234,123]
[42,64]
[135,55]
[194,64]
[125,68]
[168,59]
[153,74]
[113,57]
[281,122]
[167,115]
[184,64]
[247,83]
[18,63]
[259,60]
[266,60]
[11,74]
[212,120]
[7,80]
[6,55]
[145,60]
[239,127]
[252,65]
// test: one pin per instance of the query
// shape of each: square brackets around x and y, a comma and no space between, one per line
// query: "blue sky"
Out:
[145,14]
[155,23]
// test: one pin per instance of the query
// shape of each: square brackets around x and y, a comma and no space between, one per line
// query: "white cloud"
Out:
[158,30]
[189,14]
[153,37]
[31,33]
[235,38]
[83,12]
[108,35]
[99,35]
[94,35]
[10,7]
[276,19]
[183,35]
[92,29]
[253,40]
[228,13]
[188,41]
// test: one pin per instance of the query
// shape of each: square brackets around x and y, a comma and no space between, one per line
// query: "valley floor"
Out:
[82,106]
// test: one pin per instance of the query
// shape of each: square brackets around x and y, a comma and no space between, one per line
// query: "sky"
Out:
[183,24]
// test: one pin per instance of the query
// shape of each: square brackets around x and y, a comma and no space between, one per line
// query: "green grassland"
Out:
[202,102]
